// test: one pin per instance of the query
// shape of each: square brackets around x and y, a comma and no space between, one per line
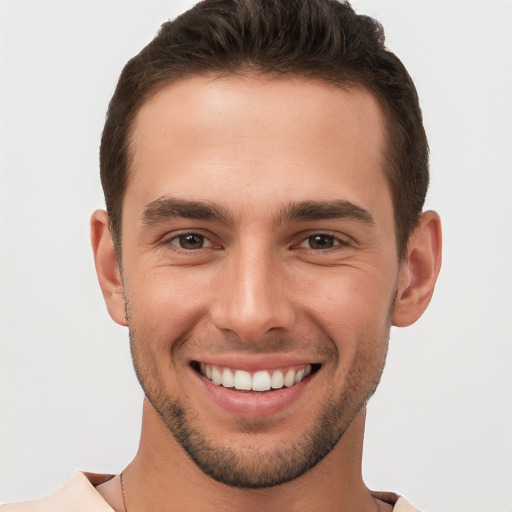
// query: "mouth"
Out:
[256,382]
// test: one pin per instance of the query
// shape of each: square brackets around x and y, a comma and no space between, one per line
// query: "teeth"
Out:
[277,380]
[216,376]
[228,380]
[262,380]
[242,380]
[289,378]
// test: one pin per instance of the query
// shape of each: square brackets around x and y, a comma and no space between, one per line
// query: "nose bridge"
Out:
[251,300]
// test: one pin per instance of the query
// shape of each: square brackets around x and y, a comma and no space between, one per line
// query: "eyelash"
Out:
[177,237]
[335,240]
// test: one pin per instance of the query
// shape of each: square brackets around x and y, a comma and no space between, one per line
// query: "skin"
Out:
[259,287]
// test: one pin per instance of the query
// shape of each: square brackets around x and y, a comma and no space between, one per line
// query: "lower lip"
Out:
[255,405]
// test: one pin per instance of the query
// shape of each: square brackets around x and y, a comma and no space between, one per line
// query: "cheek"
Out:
[164,307]
[354,313]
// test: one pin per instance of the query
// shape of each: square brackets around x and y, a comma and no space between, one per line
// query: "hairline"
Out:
[388,163]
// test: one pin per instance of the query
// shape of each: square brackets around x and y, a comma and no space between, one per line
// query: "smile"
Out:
[254,387]
[262,380]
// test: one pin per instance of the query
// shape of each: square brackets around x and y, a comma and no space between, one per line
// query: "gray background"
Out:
[440,426]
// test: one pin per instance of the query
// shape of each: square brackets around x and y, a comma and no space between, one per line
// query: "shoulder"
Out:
[402,505]
[399,503]
[77,494]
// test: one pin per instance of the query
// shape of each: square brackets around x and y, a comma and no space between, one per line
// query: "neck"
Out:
[163,477]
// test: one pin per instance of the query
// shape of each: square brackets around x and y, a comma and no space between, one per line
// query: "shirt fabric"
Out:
[79,495]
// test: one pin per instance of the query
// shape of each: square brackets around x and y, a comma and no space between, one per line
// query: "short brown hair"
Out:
[317,39]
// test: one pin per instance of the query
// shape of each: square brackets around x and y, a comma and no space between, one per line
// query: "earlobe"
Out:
[107,267]
[419,271]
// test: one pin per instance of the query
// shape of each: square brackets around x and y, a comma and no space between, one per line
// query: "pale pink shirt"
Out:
[79,495]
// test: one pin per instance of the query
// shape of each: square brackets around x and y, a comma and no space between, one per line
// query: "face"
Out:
[259,268]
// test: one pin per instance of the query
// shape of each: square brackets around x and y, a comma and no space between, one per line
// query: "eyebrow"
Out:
[323,210]
[166,208]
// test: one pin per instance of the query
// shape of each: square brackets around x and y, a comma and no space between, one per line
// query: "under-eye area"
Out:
[262,380]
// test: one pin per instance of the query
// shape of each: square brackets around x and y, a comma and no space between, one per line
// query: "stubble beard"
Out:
[251,466]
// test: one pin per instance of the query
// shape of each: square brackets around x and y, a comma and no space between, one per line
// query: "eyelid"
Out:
[175,235]
[208,243]
[340,240]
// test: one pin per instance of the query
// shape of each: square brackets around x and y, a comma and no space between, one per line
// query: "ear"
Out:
[107,267]
[418,271]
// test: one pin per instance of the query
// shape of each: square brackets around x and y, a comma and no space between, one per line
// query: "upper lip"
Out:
[254,362]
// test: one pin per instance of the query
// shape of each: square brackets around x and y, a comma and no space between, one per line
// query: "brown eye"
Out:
[319,242]
[191,241]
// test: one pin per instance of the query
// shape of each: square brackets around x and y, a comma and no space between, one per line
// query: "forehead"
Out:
[256,134]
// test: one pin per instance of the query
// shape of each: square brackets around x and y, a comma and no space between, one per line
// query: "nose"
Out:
[252,297]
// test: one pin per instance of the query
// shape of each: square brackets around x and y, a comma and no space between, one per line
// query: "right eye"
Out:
[319,242]
[191,241]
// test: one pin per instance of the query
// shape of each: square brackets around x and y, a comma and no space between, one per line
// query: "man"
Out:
[264,166]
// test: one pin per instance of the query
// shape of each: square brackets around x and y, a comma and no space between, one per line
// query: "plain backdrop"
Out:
[440,426]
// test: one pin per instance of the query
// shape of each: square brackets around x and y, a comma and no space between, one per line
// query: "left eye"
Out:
[191,241]
[319,242]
